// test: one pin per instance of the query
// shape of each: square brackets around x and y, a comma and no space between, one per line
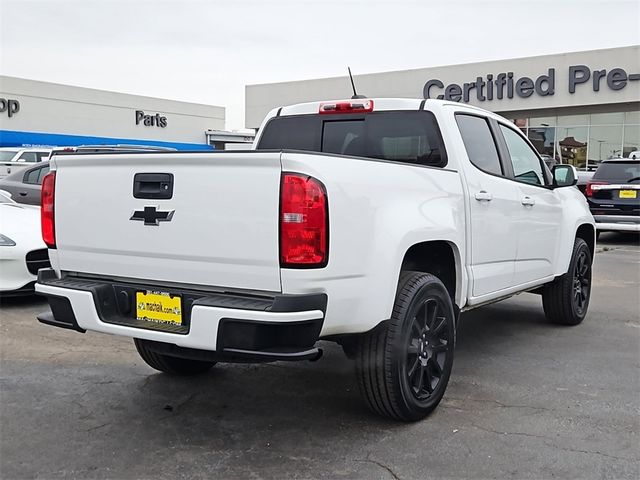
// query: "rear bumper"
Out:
[618,223]
[235,327]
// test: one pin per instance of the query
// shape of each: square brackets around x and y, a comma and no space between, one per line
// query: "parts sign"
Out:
[150,120]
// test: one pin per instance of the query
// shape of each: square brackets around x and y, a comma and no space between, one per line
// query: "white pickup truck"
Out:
[14,158]
[369,222]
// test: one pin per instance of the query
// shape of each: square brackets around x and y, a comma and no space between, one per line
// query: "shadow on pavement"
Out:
[21,301]
[619,238]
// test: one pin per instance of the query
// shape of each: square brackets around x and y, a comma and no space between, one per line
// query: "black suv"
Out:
[614,195]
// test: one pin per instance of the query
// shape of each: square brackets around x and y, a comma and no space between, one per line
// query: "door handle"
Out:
[527,201]
[22,194]
[483,196]
[153,185]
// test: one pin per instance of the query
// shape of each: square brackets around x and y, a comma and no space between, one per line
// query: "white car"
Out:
[22,251]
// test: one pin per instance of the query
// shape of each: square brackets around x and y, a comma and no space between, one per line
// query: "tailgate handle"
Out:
[153,185]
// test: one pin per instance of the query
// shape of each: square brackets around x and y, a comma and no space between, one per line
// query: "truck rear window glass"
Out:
[402,136]
[291,133]
[617,171]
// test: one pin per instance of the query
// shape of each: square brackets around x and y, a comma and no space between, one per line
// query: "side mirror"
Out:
[564,176]
[5,193]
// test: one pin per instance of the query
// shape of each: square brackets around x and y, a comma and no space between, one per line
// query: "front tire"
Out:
[404,365]
[566,299]
[169,364]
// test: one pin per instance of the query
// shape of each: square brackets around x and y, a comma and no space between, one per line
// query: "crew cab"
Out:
[368,222]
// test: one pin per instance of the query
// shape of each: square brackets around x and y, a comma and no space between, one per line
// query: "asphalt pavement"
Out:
[527,399]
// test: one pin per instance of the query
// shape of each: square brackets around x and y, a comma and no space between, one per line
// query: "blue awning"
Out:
[12,138]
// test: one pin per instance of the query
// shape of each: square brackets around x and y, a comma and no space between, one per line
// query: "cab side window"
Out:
[479,143]
[527,166]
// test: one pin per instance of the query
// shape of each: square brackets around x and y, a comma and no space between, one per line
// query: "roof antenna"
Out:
[353,85]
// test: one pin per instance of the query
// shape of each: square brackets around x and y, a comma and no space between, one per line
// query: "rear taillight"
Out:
[347,106]
[589,190]
[304,223]
[47,210]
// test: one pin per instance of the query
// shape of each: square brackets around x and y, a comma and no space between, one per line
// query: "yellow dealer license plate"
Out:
[159,307]
[628,194]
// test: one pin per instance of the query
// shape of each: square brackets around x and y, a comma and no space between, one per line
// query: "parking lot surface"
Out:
[526,399]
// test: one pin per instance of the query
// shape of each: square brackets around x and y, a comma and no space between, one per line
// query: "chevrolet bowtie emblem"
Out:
[152,216]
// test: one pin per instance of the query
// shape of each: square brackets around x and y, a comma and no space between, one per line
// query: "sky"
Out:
[207,51]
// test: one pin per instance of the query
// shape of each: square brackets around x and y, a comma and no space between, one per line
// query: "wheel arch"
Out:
[440,258]
[587,232]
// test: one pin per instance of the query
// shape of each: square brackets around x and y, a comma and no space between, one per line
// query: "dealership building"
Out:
[578,107]
[34,113]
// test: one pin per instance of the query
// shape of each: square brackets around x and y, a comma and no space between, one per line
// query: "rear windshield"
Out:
[627,172]
[407,136]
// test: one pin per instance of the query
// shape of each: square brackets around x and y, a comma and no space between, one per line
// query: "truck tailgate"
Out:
[223,231]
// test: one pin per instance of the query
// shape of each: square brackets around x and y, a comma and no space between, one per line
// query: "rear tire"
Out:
[566,299]
[403,366]
[169,364]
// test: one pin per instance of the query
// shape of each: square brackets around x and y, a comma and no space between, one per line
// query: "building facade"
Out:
[578,107]
[34,113]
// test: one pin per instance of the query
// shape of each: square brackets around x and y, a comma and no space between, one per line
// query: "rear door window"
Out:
[31,177]
[400,136]
[43,173]
[479,143]
[36,175]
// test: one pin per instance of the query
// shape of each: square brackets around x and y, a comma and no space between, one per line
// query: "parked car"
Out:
[117,148]
[25,184]
[367,222]
[613,195]
[22,251]
[12,158]
[583,180]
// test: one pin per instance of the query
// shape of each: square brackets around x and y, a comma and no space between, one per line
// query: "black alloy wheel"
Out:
[403,366]
[582,282]
[566,299]
[427,345]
